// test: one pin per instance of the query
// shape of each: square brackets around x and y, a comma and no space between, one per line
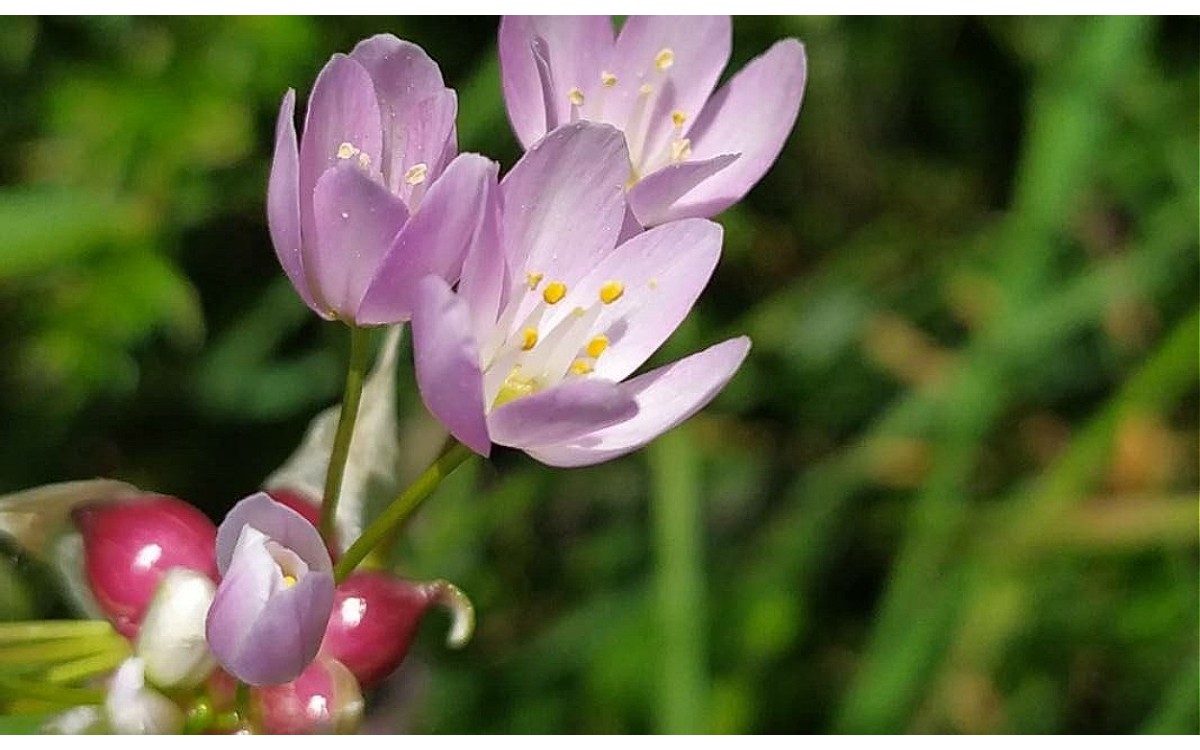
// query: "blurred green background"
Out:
[954,488]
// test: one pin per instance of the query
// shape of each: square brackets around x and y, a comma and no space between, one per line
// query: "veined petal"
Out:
[277,521]
[342,125]
[665,397]
[485,278]
[356,221]
[564,202]
[429,146]
[446,359]
[283,202]
[679,58]
[434,241]
[653,199]
[577,47]
[561,413]
[661,273]
[406,79]
[751,115]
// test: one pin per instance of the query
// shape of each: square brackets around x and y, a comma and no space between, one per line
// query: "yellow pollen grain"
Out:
[416,174]
[645,89]
[533,279]
[289,580]
[529,339]
[679,117]
[608,80]
[575,96]
[665,58]
[581,367]
[346,150]
[364,160]
[681,149]
[611,292]
[597,346]
[652,283]
[554,292]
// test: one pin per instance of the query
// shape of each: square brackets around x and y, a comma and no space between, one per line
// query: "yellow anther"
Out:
[533,279]
[679,117]
[416,173]
[652,283]
[346,150]
[608,80]
[681,148]
[364,160]
[529,339]
[554,292]
[581,367]
[645,89]
[665,58]
[575,96]
[289,580]
[597,346]
[611,292]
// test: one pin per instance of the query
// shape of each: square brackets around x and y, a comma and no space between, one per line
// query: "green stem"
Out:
[18,632]
[360,349]
[68,696]
[52,652]
[394,516]
[89,666]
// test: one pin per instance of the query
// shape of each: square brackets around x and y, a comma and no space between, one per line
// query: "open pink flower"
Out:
[372,198]
[535,348]
[693,153]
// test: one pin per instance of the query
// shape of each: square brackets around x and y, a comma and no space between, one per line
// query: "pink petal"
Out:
[663,271]
[356,221]
[446,359]
[751,115]
[577,49]
[434,241]
[665,397]
[560,414]
[343,109]
[653,199]
[283,202]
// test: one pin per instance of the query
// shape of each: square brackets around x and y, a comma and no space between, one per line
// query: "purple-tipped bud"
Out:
[269,615]
[375,617]
[128,546]
[324,699]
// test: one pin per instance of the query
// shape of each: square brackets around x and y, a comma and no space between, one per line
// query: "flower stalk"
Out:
[394,516]
[360,350]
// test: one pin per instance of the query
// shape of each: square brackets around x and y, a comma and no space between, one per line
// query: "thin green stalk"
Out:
[677,517]
[89,666]
[394,516]
[356,372]
[20,632]
[67,696]
[52,652]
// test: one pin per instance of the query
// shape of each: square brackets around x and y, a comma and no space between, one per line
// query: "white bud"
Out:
[171,642]
[132,707]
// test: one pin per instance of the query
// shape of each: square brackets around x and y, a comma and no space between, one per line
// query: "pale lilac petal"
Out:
[751,115]
[653,199]
[414,128]
[283,202]
[275,520]
[429,146]
[356,222]
[577,49]
[665,397]
[560,414]
[485,277]
[248,581]
[343,109]
[446,359]
[663,271]
[564,201]
[699,49]
[434,241]
[287,634]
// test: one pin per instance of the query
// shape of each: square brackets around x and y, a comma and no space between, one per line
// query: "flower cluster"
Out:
[534,301]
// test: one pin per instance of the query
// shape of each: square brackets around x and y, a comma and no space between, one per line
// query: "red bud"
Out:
[129,544]
[324,699]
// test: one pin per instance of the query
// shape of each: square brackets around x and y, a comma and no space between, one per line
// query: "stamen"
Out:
[608,80]
[364,160]
[681,148]
[289,580]
[516,386]
[533,279]
[346,150]
[575,96]
[679,117]
[611,291]
[416,173]
[637,126]
[581,367]
[664,59]
[554,292]
[645,89]
[597,346]
[529,339]
[652,283]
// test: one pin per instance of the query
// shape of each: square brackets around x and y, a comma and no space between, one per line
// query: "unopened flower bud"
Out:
[324,699]
[132,707]
[375,617]
[171,641]
[271,607]
[306,506]
[129,544]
